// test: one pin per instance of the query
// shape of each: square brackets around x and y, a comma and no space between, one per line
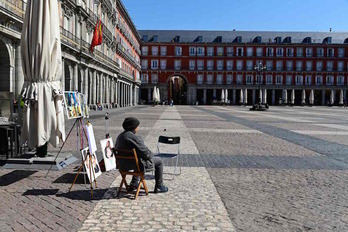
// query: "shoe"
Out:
[132,187]
[161,189]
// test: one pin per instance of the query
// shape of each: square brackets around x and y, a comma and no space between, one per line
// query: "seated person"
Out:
[129,140]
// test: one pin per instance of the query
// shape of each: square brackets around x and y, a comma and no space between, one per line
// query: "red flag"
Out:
[97,35]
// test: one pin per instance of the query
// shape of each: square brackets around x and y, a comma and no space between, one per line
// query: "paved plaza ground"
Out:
[281,170]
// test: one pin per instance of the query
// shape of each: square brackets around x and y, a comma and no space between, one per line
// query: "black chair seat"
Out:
[166,155]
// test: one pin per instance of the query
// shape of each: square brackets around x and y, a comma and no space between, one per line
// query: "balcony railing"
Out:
[108,4]
[14,7]
[69,38]
[92,16]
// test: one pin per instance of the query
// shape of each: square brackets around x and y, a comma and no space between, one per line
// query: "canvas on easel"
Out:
[91,139]
[108,155]
[72,105]
[83,104]
[95,172]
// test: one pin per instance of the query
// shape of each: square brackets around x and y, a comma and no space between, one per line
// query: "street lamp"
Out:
[259,105]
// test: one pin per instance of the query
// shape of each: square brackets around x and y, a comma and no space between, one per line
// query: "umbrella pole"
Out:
[62,146]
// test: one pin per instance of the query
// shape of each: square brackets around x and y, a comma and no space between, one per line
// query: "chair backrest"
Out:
[126,155]
[169,140]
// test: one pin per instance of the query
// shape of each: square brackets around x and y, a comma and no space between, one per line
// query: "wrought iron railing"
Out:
[15,7]
[69,38]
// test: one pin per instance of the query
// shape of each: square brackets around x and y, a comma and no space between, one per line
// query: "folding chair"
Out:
[123,156]
[172,142]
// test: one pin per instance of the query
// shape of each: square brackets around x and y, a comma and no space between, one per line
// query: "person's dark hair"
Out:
[130,124]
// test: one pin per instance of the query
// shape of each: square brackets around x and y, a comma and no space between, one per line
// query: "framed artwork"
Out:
[108,155]
[72,105]
[95,165]
[91,139]
[84,106]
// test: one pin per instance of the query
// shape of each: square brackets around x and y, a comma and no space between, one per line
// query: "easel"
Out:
[79,123]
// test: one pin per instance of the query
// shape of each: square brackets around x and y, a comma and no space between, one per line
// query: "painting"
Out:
[91,139]
[72,105]
[84,106]
[109,158]
[87,165]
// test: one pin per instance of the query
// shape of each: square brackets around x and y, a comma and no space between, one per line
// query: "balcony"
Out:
[108,4]
[15,8]
[69,39]
[127,55]
[107,32]
[92,16]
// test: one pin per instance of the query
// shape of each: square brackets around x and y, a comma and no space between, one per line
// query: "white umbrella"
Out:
[303,97]
[265,96]
[226,95]
[311,97]
[293,97]
[158,95]
[154,94]
[245,96]
[241,100]
[341,97]
[43,116]
[285,96]
[223,95]
[332,101]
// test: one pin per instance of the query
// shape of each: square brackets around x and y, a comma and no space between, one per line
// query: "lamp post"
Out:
[259,70]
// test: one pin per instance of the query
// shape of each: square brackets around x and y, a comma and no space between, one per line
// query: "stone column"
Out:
[323,102]
[273,97]
[194,95]
[18,71]
[76,78]
[204,96]
[95,87]
[234,96]
[214,93]
[101,84]
[149,94]
[131,95]
[85,84]
[254,97]
[63,75]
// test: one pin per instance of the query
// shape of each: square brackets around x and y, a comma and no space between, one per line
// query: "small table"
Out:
[12,131]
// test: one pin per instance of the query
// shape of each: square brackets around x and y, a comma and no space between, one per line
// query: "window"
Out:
[320,52]
[210,64]
[192,51]
[308,80]
[319,80]
[279,65]
[269,52]
[319,65]
[249,51]
[249,79]
[269,65]
[299,80]
[229,65]
[144,78]
[289,65]
[155,50]
[289,52]
[269,79]
[220,51]
[340,65]
[163,51]
[192,64]
[299,65]
[229,51]
[329,80]
[239,65]
[330,52]
[341,52]
[200,78]
[299,52]
[177,64]
[229,79]
[200,51]
[154,78]
[210,51]
[239,79]
[178,51]
[220,65]
[144,64]
[329,66]
[289,80]
[200,64]
[163,64]
[308,65]
[219,79]
[249,64]
[279,80]
[144,50]
[154,64]
[279,52]
[239,52]
[258,79]
[210,79]
[259,52]
[309,52]
[340,80]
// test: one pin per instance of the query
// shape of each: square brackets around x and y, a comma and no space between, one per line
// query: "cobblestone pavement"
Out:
[281,170]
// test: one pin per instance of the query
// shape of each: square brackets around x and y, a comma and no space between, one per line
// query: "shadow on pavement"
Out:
[68,178]
[84,195]
[15,176]
[41,192]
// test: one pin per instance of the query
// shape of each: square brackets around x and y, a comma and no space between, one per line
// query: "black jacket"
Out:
[128,140]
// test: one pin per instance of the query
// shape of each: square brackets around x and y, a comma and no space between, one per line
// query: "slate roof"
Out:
[188,36]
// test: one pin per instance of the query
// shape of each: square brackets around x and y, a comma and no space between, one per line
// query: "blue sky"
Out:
[244,15]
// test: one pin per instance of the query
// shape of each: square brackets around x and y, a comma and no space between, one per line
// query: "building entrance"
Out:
[177,90]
